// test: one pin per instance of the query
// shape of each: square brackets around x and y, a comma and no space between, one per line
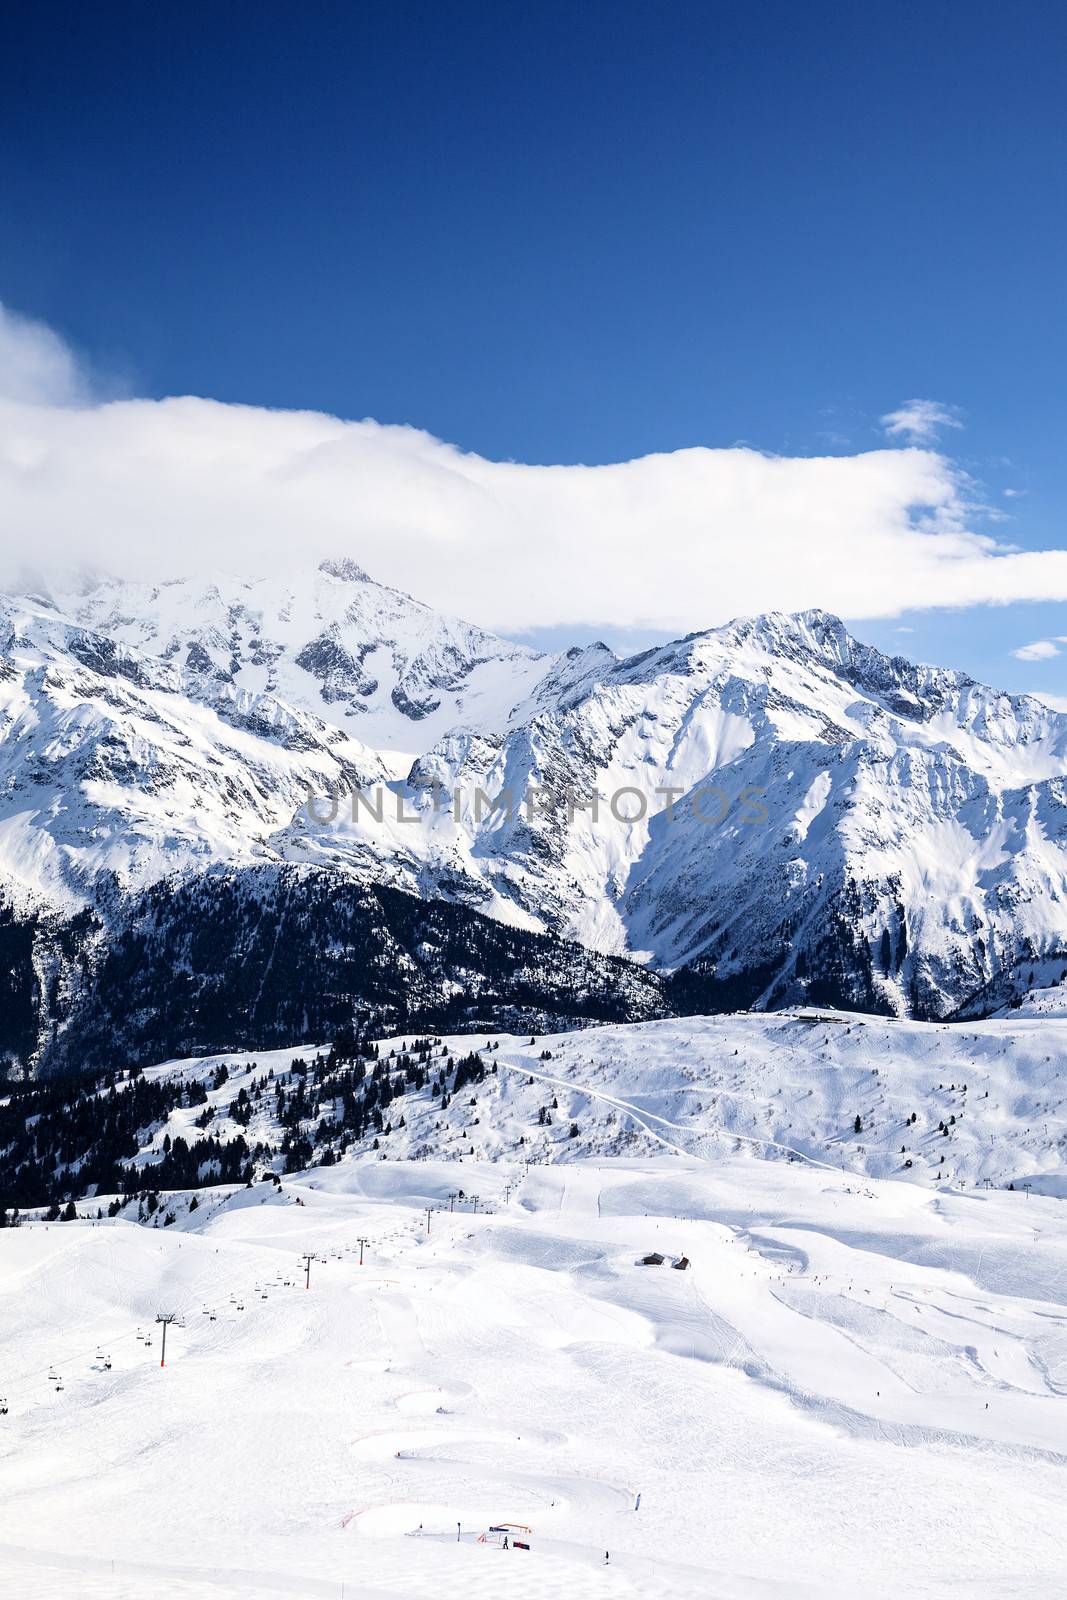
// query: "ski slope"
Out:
[858,1387]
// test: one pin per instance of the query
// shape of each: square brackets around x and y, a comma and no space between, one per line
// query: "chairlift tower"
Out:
[166,1318]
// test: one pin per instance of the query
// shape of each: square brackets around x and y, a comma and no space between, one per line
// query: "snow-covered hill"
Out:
[937,1105]
[853,1389]
[862,1304]
[815,821]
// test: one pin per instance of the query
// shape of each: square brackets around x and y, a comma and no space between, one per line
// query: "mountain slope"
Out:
[253,957]
[111,776]
[854,1389]
[937,1105]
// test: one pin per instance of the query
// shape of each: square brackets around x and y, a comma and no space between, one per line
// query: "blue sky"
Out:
[563,234]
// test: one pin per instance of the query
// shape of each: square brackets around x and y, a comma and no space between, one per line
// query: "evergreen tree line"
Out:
[74,1136]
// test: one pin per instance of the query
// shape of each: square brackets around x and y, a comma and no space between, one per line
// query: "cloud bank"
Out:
[152,488]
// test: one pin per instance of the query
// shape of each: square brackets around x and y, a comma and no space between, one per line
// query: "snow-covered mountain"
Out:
[113,775]
[770,811]
[819,819]
[348,651]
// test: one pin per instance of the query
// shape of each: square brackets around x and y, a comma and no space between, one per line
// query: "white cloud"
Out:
[1058,702]
[920,421]
[672,542]
[1041,649]
[36,367]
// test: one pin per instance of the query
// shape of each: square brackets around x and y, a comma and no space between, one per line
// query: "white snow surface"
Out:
[854,1389]
[858,1387]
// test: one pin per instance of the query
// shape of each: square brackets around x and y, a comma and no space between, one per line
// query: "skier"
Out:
[505,1541]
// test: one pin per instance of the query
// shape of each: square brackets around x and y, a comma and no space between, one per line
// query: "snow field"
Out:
[854,1389]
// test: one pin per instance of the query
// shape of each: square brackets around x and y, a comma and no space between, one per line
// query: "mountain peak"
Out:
[813,626]
[344,569]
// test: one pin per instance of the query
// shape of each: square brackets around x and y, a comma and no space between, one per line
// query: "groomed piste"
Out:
[858,1387]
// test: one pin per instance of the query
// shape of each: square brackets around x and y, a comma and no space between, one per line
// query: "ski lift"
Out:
[240,1305]
[3,1405]
[212,1317]
[107,1363]
[53,1376]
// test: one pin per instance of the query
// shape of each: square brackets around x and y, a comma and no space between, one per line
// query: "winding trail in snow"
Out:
[639,1115]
